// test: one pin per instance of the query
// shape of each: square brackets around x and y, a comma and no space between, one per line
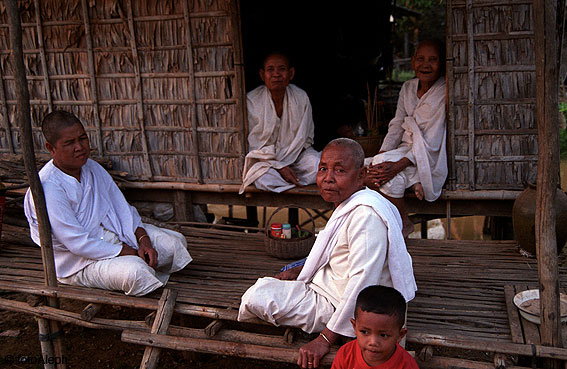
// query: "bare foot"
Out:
[418,190]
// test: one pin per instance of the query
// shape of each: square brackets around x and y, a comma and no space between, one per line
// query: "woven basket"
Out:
[294,248]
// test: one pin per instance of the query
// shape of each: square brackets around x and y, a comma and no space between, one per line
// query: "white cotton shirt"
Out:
[358,260]
[79,212]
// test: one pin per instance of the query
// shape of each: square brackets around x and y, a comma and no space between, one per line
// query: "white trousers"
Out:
[130,274]
[305,167]
[289,303]
[396,187]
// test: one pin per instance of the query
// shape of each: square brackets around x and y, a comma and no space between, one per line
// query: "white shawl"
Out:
[296,131]
[419,125]
[399,260]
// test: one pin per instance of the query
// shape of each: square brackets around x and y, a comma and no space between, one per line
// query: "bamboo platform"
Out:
[460,302]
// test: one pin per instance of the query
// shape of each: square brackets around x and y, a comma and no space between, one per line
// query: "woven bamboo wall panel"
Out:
[492,120]
[494,175]
[503,18]
[214,88]
[504,117]
[214,59]
[164,166]
[496,146]
[496,52]
[213,165]
[496,85]
[156,83]
[176,115]
[218,142]
[217,116]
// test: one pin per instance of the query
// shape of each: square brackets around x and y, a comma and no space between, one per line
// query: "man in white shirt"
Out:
[361,245]
[281,131]
[99,239]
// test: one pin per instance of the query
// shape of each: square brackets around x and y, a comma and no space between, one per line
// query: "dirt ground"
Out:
[97,348]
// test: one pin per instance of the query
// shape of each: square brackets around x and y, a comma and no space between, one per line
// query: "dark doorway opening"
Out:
[340,51]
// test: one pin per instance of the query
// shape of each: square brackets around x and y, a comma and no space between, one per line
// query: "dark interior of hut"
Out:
[340,51]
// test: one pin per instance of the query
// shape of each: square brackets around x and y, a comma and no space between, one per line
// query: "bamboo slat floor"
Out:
[460,298]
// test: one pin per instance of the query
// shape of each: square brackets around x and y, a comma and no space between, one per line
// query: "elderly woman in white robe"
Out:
[281,131]
[361,245]
[99,239]
[413,152]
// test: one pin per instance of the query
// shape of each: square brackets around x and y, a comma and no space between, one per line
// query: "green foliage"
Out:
[402,75]
[563,143]
[563,108]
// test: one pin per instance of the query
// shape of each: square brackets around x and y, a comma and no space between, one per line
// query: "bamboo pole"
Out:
[452,174]
[46,345]
[472,92]
[59,77]
[131,101]
[42,57]
[139,89]
[121,49]
[24,120]
[245,350]
[489,346]
[92,76]
[193,92]
[240,90]
[546,40]
[141,18]
[451,363]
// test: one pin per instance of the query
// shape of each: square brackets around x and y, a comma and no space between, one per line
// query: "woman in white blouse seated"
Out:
[413,152]
[99,239]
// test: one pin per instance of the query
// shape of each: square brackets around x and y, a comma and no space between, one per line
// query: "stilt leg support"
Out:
[213,328]
[90,311]
[160,326]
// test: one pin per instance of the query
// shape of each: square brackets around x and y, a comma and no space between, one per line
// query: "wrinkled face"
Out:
[276,73]
[426,64]
[71,150]
[337,177]
[377,336]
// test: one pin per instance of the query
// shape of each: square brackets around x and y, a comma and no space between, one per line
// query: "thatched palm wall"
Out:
[156,83]
[492,94]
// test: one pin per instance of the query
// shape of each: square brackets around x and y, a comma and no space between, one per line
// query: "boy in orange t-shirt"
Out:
[378,323]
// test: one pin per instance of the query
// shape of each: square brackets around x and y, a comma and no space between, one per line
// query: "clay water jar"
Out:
[523,218]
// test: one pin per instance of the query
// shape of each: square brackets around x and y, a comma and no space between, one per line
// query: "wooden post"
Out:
[240,90]
[23,118]
[160,326]
[183,206]
[547,40]
[46,345]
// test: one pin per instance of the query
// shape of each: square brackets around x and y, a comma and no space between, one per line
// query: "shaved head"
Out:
[54,122]
[352,148]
